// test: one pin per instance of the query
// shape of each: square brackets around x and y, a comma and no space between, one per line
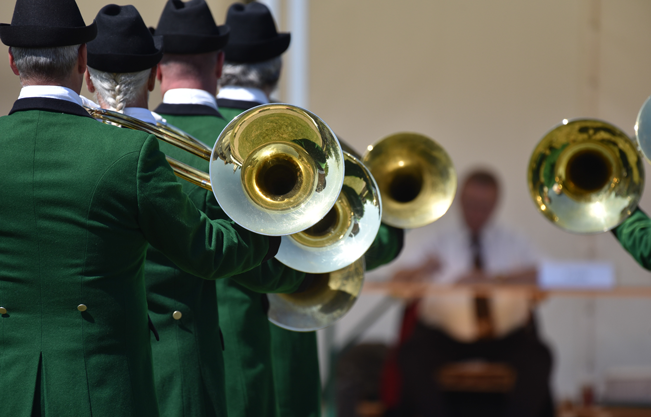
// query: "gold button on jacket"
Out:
[3,310]
[82,307]
[177,315]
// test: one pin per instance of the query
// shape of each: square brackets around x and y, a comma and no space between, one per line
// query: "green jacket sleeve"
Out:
[272,277]
[172,224]
[635,236]
[385,248]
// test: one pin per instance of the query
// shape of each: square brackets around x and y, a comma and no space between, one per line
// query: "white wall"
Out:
[487,80]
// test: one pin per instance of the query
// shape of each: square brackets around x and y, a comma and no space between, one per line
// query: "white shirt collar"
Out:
[50,91]
[143,114]
[190,96]
[243,94]
[89,103]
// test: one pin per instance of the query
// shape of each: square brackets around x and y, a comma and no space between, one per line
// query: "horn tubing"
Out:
[163,132]
[190,173]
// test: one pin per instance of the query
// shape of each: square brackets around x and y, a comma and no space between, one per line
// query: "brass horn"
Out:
[345,233]
[586,176]
[643,129]
[280,145]
[166,133]
[275,169]
[328,299]
[416,178]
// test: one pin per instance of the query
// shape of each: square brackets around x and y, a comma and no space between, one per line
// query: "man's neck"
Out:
[141,102]
[67,84]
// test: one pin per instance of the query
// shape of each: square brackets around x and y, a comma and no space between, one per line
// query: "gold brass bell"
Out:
[416,177]
[586,176]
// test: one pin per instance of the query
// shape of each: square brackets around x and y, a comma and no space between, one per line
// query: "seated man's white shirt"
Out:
[502,252]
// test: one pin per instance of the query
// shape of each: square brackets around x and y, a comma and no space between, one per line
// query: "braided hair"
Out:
[118,89]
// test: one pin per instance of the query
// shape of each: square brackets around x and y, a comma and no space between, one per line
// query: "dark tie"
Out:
[482,303]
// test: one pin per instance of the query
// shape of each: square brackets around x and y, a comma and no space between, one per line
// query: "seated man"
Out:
[460,326]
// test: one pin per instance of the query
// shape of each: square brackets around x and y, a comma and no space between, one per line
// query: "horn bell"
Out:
[276,169]
[416,177]
[328,299]
[345,233]
[586,176]
[643,129]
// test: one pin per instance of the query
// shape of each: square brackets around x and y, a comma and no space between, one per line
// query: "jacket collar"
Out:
[187,110]
[49,104]
[236,104]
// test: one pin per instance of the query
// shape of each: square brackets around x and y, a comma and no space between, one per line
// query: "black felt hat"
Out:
[123,43]
[253,34]
[189,28]
[46,24]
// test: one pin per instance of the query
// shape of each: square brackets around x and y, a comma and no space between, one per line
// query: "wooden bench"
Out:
[476,376]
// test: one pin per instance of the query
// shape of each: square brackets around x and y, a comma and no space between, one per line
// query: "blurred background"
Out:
[486,80]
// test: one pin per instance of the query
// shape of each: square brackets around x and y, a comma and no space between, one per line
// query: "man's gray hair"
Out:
[46,63]
[118,89]
[261,75]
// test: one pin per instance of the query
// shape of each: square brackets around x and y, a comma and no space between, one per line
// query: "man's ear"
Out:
[82,59]
[159,73]
[12,63]
[220,64]
[151,83]
[89,83]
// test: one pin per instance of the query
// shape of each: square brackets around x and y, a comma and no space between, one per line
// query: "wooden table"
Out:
[606,412]
[418,290]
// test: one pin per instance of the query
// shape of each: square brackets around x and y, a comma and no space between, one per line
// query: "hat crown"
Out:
[192,18]
[254,37]
[124,43]
[47,13]
[250,23]
[121,30]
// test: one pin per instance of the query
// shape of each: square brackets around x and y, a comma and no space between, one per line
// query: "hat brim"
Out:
[191,44]
[248,52]
[123,63]
[46,37]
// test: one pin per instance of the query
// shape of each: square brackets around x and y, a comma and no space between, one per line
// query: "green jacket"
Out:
[289,363]
[243,319]
[81,201]
[635,236]
[231,108]
[188,361]
[295,355]
[248,356]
